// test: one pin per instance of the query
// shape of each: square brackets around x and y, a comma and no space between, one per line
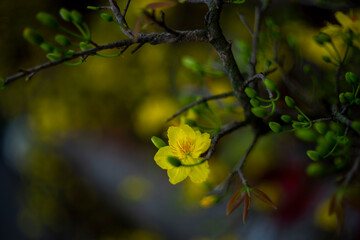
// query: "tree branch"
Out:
[352,171]
[204,99]
[120,19]
[151,38]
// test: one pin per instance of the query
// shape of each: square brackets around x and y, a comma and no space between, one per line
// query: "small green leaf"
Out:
[174,161]
[290,102]
[286,118]
[62,40]
[47,47]
[254,102]
[316,170]
[107,17]
[237,1]
[270,84]
[306,134]
[275,127]
[250,92]
[259,112]
[65,15]
[314,155]
[351,78]
[320,127]
[32,36]
[47,19]
[158,142]
[77,17]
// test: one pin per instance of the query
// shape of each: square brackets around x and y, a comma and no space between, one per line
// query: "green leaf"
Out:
[270,84]
[158,142]
[306,134]
[237,1]
[47,19]
[250,92]
[290,102]
[315,170]
[286,118]
[65,15]
[351,78]
[259,112]
[314,155]
[320,127]
[275,127]
[174,161]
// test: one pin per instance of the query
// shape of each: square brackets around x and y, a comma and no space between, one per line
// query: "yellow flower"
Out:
[185,146]
[347,23]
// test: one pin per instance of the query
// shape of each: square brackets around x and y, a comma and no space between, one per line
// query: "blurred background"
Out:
[76,160]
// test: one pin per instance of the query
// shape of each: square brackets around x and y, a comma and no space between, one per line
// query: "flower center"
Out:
[184,146]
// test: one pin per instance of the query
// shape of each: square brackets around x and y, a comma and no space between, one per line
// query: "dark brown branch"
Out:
[151,38]
[204,99]
[137,48]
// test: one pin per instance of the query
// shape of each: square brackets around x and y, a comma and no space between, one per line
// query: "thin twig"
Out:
[151,38]
[137,48]
[160,23]
[225,130]
[243,19]
[352,171]
[259,76]
[126,8]
[120,19]
[204,99]
[240,165]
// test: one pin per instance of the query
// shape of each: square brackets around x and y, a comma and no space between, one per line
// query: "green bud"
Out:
[53,56]
[326,59]
[32,36]
[337,128]
[356,126]
[290,102]
[259,112]
[300,118]
[315,170]
[62,40]
[306,134]
[286,118]
[65,15]
[340,163]
[92,8]
[320,127]
[69,53]
[254,102]
[85,46]
[348,38]
[275,127]
[107,17]
[174,161]
[325,145]
[250,92]
[268,63]
[47,19]
[47,47]
[158,142]
[192,64]
[330,136]
[270,85]
[342,98]
[322,38]
[357,101]
[77,17]
[351,78]
[314,155]
[342,140]
[349,96]
[297,125]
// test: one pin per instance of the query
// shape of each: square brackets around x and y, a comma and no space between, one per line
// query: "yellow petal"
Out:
[332,29]
[343,19]
[178,174]
[200,173]
[202,143]
[161,157]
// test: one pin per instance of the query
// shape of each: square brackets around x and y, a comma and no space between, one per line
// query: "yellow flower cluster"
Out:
[347,23]
[182,157]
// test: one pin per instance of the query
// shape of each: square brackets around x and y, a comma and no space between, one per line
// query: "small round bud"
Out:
[300,118]
[297,125]
[315,170]
[2,83]
[85,46]
[322,38]
[32,36]
[343,140]
[254,102]
[158,142]
[250,92]
[351,78]
[314,155]
[259,112]
[349,96]
[174,161]
[108,17]
[286,118]
[290,102]
[69,53]
[320,127]
[270,84]
[47,19]
[65,15]
[342,98]
[77,17]
[47,47]
[306,135]
[62,40]
[307,69]
[275,127]
[356,126]
[53,56]
[357,101]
